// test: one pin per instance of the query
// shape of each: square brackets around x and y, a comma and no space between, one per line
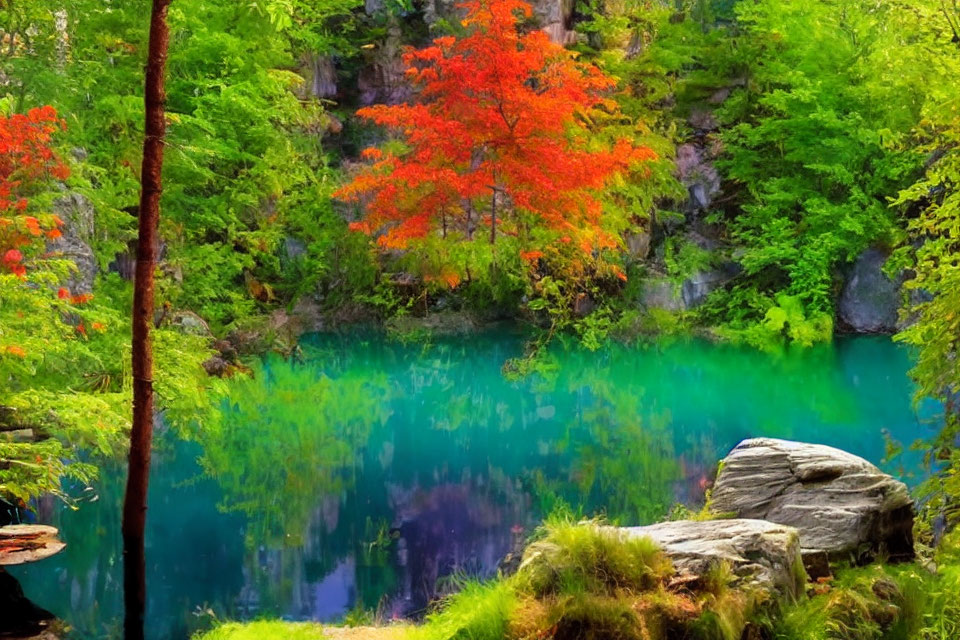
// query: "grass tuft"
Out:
[572,557]
[479,611]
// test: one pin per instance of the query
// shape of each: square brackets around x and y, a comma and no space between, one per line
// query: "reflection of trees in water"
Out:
[287,438]
[193,552]
[448,530]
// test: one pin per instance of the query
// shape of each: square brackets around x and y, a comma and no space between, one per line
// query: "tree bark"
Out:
[493,217]
[141,435]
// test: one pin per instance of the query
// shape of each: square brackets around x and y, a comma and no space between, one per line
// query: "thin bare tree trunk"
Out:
[493,217]
[135,501]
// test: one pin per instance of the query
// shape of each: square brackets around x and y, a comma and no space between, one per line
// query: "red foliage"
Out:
[499,110]
[25,160]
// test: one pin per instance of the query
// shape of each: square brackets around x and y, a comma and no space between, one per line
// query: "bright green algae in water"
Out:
[370,472]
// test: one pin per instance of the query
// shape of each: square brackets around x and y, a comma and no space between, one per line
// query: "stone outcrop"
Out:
[189,323]
[554,16]
[701,284]
[761,554]
[870,299]
[662,293]
[383,77]
[321,74]
[843,506]
[697,173]
[77,214]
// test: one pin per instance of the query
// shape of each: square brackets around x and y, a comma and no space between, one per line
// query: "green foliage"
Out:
[934,312]
[244,170]
[247,442]
[814,143]
[785,319]
[880,602]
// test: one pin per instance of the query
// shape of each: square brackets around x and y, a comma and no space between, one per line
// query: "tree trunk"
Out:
[135,501]
[493,217]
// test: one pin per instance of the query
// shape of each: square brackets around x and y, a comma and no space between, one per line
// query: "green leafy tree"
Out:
[814,147]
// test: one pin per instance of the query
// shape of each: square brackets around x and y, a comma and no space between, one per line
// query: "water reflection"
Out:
[368,474]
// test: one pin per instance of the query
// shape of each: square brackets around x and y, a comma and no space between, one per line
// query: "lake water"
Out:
[370,472]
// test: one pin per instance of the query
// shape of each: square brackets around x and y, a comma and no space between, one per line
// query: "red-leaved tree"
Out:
[26,160]
[498,137]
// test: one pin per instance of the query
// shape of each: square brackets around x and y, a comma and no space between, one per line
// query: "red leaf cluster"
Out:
[26,159]
[499,111]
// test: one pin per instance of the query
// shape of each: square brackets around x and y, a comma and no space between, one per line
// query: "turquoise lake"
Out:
[368,474]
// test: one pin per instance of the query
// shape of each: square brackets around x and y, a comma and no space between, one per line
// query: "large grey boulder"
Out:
[843,506]
[870,299]
[761,554]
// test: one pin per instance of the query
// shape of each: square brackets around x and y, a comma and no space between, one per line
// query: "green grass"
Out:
[870,603]
[572,557]
[479,611]
[264,630]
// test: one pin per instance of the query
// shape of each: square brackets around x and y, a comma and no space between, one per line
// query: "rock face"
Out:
[760,553]
[843,506]
[383,78]
[322,76]
[661,293]
[870,299]
[697,173]
[78,216]
[701,284]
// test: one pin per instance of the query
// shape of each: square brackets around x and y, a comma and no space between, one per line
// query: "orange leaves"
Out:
[25,158]
[497,107]
[371,153]
[445,42]
[531,256]
[450,278]
[15,351]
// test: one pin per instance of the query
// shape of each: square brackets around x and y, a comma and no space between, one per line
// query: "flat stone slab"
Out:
[842,505]
[760,553]
[21,543]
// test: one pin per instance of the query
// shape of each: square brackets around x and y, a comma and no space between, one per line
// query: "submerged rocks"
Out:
[761,554]
[870,299]
[843,506]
